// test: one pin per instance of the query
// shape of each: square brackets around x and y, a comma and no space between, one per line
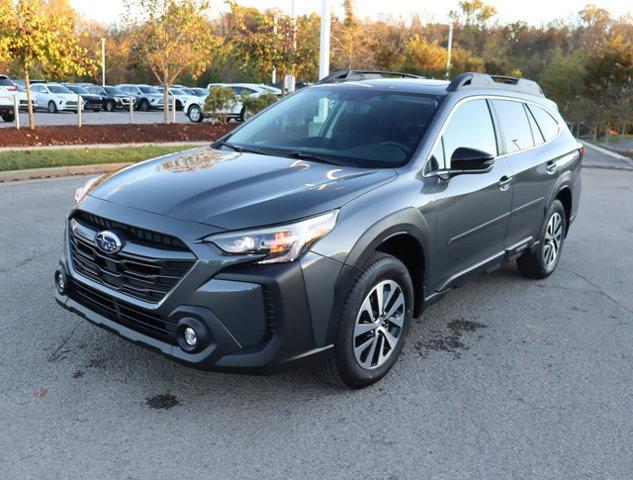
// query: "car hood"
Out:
[231,190]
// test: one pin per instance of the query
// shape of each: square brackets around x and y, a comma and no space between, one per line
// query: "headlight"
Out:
[81,192]
[280,244]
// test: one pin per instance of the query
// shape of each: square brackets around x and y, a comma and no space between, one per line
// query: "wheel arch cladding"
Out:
[394,234]
[565,197]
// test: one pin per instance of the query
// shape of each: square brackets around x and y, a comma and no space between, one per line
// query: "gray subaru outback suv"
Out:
[316,231]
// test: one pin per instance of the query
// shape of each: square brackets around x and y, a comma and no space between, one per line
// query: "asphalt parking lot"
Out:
[95,118]
[506,378]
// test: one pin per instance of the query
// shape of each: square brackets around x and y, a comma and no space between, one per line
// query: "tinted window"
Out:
[515,126]
[148,90]
[114,91]
[536,132]
[58,89]
[549,126]
[471,126]
[348,124]
[97,90]
[5,82]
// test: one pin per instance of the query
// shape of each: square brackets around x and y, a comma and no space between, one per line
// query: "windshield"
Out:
[114,91]
[200,92]
[148,89]
[97,90]
[58,89]
[176,91]
[80,90]
[349,124]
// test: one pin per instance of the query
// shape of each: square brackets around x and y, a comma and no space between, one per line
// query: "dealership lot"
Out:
[504,378]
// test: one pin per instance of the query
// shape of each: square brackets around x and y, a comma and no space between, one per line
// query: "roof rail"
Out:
[483,80]
[353,75]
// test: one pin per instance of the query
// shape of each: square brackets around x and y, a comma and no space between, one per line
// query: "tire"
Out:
[195,114]
[110,106]
[8,116]
[144,106]
[542,261]
[179,106]
[52,108]
[359,343]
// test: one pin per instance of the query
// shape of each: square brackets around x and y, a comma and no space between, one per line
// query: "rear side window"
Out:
[471,126]
[5,82]
[536,132]
[517,134]
[549,127]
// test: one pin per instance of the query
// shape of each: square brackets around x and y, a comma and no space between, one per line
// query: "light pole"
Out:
[450,49]
[103,62]
[290,79]
[324,52]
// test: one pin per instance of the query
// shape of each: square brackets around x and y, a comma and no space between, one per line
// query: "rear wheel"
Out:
[373,324]
[542,261]
[195,114]
[52,108]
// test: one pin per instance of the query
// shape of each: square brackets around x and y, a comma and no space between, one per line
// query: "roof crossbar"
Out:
[497,82]
[355,75]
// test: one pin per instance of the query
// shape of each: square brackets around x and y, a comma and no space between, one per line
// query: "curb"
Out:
[33,173]
[607,152]
[107,145]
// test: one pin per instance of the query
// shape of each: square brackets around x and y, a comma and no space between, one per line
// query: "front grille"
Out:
[138,319]
[71,104]
[146,277]
[133,234]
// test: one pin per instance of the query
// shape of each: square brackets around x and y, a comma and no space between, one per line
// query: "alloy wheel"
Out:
[552,240]
[379,324]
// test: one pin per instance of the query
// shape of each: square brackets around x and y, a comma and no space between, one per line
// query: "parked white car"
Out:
[183,99]
[195,113]
[54,97]
[24,100]
[7,91]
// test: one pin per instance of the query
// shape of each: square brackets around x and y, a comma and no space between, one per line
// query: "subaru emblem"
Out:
[108,242]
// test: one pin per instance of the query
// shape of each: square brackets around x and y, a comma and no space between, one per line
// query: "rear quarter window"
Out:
[517,134]
[5,82]
[548,125]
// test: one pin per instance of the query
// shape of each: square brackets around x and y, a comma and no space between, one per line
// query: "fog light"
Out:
[61,281]
[190,337]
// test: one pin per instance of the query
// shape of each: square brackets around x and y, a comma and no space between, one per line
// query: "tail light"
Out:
[12,89]
[581,150]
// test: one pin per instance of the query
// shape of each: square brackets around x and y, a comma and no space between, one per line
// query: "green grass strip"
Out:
[26,159]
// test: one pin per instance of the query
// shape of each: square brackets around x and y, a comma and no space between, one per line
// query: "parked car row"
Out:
[54,97]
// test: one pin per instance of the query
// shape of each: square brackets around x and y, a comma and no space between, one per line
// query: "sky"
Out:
[534,12]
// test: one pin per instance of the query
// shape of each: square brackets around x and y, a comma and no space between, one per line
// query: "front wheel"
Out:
[52,108]
[542,261]
[8,116]
[373,324]
[144,106]
[195,114]
[110,106]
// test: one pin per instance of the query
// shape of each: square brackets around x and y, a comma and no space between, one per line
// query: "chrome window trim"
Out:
[458,104]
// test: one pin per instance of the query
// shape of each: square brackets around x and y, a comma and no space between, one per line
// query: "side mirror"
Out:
[471,160]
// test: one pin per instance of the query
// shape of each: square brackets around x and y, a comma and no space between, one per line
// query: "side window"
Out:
[515,125]
[549,126]
[471,126]
[237,90]
[35,88]
[536,132]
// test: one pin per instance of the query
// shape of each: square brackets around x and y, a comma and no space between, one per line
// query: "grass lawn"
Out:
[25,159]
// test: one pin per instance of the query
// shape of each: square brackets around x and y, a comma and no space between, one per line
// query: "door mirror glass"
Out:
[471,160]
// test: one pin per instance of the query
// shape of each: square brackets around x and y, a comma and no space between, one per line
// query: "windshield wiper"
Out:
[316,158]
[237,148]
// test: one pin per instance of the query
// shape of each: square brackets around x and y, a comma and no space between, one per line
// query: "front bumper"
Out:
[257,318]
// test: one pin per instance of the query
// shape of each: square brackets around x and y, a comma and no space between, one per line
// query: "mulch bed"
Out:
[101,134]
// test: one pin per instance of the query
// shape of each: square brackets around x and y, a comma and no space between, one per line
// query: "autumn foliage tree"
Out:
[42,34]
[172,37]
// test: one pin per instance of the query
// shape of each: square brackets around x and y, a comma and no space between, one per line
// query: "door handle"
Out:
[552,167]
[504,183]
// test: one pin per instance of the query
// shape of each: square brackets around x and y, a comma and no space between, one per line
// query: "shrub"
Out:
[219,103]
[254,104]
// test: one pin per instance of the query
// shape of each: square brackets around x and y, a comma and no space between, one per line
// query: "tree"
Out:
[172,37]
[424,57]
[474,13]
[219,102]
[41,34]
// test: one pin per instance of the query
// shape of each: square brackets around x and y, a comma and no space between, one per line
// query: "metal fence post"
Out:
[79,110]
[16,110]
[173,113]
[131,110]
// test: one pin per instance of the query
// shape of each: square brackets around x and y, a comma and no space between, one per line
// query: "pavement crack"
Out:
[599,290]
